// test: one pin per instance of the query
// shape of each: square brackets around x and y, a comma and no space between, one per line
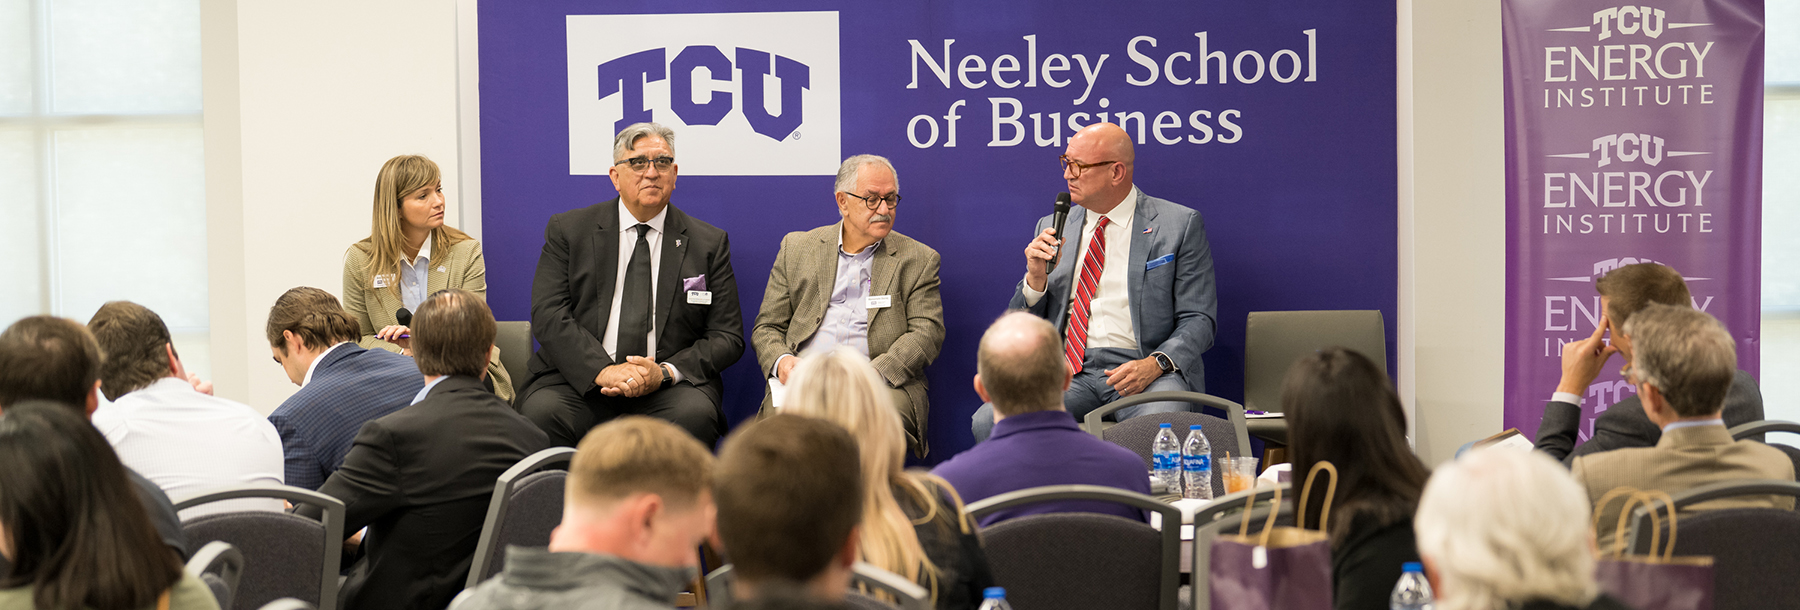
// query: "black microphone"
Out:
[404,317]
[1056,222]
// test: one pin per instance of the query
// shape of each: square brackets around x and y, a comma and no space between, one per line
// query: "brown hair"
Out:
[399,177]
[1341,409]
[789,490]
[453,333]
[1020,361]
[1686,354]
[1630,288]
[639,454]
[132,338]
[48,358]
[314,315]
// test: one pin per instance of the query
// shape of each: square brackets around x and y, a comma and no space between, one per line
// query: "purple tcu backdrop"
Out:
[1633,134]
[1283,139]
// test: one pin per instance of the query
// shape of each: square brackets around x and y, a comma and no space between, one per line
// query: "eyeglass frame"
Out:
[1080,167]
[875,204]
[640,162]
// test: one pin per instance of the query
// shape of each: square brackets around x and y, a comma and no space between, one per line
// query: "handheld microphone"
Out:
[1056,222]
[404,317]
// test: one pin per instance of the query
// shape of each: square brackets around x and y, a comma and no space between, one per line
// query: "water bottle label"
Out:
[1166,461]
[1197,463]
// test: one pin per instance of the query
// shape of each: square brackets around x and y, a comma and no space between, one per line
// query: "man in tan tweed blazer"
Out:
[1683,365]
[857,284]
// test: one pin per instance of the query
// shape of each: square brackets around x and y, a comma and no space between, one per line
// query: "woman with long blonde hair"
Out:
[409,254]
[913,522]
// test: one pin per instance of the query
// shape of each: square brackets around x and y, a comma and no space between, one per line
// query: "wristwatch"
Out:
[668,375]
[1163,362]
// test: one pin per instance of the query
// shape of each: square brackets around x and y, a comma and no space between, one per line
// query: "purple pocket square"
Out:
[697,282]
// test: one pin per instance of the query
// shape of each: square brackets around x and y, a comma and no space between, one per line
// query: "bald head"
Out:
[1020,366]
[1107,152]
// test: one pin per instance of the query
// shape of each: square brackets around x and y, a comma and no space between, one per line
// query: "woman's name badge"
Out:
[383,281]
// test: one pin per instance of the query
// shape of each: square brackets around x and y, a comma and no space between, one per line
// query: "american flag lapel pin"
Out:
[1147,230]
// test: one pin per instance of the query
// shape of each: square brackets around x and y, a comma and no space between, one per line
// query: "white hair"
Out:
[1502,527]
[628,137]
[851,169]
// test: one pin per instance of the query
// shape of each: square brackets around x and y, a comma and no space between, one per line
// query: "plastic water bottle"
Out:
[1196,465]
[994,598]
[1165,458]
[1413,592]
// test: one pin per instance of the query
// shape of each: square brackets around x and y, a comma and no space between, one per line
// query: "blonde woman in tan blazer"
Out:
[409,241]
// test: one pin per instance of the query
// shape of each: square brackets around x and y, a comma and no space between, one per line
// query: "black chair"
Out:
[909,595]
[514,340]
[219,565]
[527,505]
[1274,340]
[1227,434]
[288,603]
[1754,550]
[1200,593]
[284,555]
[1083,560]
[1756,429]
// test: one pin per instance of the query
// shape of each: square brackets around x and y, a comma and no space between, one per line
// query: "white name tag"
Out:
[699,297]
[382,281]
[880,301]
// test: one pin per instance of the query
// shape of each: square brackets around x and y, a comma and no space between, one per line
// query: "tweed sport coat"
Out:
[458,266]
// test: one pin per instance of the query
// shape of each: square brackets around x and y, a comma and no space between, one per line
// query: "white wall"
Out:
[304,103]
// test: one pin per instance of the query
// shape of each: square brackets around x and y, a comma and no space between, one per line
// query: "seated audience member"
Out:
[409,254]
[70,525]
[1341,409]
[1683,367]
[421,477]
[342,385]
[1020,370]
[1507,529]
[912,523]
[789,491]
[1624,292]
[186,441]
[45,358]
[638,503]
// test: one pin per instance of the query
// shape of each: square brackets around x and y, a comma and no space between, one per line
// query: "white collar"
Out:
[1720,422]
[424,251]
[322,355]
[627,221]
[1121,214]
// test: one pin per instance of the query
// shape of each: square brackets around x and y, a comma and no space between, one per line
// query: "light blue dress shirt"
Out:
[846,320]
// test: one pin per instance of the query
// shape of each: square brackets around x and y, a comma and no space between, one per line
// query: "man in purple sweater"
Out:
[1021,370]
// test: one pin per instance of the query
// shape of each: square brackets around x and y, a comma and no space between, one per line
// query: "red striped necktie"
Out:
[1075,344]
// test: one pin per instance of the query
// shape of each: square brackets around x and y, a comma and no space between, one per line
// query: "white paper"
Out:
[1262,416]
[1516,442]
[777,392]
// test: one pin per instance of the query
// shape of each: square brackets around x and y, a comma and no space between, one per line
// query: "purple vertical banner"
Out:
[1633,134]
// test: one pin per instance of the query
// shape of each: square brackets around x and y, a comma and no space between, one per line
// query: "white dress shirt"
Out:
[628,242]
[415,276]
[189,443]
[1109,312]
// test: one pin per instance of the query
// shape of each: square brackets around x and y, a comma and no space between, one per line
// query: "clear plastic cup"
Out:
[1239,474]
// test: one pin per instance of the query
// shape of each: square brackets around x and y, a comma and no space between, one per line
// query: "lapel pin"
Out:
[678,243]
[1147,230]
[442,269]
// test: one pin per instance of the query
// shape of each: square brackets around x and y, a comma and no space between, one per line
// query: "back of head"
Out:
[1341,409]
[789,490]
[76,532]
[639,455]
[1630,288]
[1502,526]
[135,345]
[787,596]
[453,333]
[312,314]
[48,358]
[1021,364]
[1686,354]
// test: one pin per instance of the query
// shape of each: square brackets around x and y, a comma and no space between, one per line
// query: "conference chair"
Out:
[284,555]
[1756,429]
[907,594]
[1753,549]
[1200,593]
[514,341]
[1045,561]
[527,505]
[219,565]
[1226,434]
[1229,505]
[1275,340]
[288,603]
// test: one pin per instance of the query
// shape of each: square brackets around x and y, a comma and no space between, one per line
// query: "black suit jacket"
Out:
[571,300]
[1624,424]
[420,479]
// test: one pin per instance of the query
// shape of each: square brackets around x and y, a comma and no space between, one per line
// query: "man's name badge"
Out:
[699,297]
[880,301]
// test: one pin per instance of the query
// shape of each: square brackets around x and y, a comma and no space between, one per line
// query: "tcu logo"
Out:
[1607,266]
[1629,20]
[747,94]
[1629,147]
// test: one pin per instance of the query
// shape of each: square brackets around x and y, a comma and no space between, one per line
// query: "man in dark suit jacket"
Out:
[342,385]
[420,478]
[1624,292]
[634,305]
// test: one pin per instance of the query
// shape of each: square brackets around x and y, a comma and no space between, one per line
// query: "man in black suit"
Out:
[634,305]
[420,478]
[1623,292]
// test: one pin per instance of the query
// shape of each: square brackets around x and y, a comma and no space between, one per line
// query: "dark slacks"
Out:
[567,416]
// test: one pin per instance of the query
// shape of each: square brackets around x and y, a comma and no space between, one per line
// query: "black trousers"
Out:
[567,416]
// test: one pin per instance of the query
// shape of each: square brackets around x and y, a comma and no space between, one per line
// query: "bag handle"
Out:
[162,601]
[1330,492]
[1647,498]
[1274,510]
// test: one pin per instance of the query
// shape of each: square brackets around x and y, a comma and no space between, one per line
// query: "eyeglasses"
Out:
[893,201]
[1076,166]
[639,163]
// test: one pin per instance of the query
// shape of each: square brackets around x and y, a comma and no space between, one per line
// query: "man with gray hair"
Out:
[857,283]
[1683,366]
[634,305]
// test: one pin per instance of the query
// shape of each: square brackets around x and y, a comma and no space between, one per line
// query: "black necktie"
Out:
[634,308]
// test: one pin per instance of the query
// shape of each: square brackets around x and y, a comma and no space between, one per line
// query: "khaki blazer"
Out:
[1683,459]
[903,338]
[458,266]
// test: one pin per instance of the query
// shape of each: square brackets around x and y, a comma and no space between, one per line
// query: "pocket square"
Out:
[1159,261]
[697,282]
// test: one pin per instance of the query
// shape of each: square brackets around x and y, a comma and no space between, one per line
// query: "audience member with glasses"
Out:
[861,285]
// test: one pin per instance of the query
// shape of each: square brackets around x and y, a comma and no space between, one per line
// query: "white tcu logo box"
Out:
[748,94]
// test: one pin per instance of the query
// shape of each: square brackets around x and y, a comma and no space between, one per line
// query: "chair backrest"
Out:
[1206,532]
[1045,561]
[1225,505]
[1232,412]
[1274,340]
[526,506]
[1753,549]
[1756,429]
[908,594]
[1139,433]
[219,565]
[283,555]
[514,341]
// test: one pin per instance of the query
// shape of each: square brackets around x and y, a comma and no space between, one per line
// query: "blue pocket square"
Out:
[1159,261]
